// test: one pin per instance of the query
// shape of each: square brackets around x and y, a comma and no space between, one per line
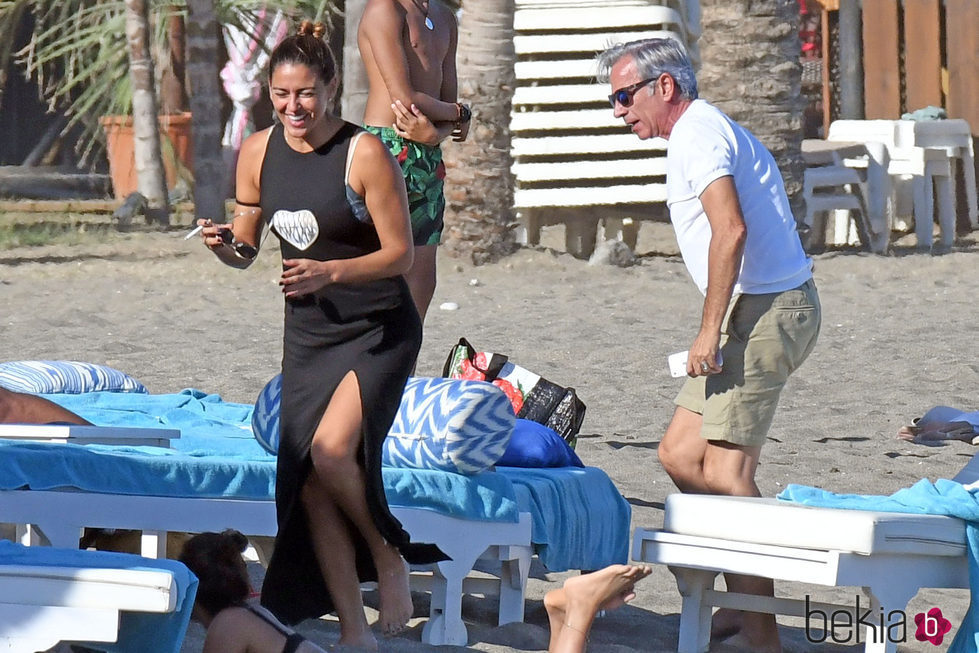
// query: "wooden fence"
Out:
[916,53]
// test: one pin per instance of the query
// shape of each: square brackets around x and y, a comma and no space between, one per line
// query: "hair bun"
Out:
[309,28]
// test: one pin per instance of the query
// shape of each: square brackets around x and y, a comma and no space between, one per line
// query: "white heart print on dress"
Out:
[299,228]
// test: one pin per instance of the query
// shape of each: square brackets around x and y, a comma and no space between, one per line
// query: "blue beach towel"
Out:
[942,497]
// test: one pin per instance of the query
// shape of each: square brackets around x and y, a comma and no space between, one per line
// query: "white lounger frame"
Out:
[57,517]
[41,605]
[891,580]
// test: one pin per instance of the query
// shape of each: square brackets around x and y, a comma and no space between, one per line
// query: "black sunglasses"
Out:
[624,95]
[244,250]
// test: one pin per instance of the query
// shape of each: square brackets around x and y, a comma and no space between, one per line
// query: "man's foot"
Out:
[725,623]
[395,595]
[742,642]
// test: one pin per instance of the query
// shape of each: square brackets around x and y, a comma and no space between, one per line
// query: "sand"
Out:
[897,339]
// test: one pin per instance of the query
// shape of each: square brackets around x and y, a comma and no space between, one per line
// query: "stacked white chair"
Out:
[574,162]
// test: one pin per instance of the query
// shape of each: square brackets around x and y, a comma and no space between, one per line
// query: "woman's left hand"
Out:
[303,276]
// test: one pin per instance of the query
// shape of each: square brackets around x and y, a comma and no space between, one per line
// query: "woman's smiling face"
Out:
[300,98]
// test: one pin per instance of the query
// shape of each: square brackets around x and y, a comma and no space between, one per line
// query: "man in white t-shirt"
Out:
[761,311]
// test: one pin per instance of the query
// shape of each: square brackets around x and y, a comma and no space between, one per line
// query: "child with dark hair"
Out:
[234,625]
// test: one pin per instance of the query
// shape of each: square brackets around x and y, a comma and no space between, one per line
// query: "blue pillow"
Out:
[535,445]
[449,425]
[70,377]
[265,417]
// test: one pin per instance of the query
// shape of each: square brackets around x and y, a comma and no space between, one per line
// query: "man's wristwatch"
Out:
[465,115]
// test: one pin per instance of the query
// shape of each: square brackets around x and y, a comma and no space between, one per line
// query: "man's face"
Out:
[647,111]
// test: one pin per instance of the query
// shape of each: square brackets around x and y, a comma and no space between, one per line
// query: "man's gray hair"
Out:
[653,57]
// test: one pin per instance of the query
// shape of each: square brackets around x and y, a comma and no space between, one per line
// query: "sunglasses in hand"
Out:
[243,250]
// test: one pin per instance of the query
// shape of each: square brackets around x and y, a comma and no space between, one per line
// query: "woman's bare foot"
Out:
[571,609]
[605,589]
[364,641]
[395,594]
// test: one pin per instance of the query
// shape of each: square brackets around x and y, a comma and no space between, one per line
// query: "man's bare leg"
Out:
[572,608]
[699,466]
[21,408]
[421,278]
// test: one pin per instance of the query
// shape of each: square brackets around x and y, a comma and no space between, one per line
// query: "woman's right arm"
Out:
[246,225]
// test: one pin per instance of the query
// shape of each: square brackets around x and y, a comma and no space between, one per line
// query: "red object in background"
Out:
[809,30]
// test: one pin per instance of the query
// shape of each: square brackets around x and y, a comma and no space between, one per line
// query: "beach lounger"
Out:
[122,602]
[891,555]
[571,518]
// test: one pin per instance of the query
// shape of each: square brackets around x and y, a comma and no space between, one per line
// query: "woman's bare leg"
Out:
[334,454]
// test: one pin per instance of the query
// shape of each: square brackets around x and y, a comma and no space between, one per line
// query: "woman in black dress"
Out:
[336,200]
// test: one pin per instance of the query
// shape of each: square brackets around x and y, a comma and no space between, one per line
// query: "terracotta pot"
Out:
[122,161]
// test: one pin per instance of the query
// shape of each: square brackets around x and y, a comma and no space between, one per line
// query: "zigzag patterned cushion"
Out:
[71,377]
[450,425]
[265,417]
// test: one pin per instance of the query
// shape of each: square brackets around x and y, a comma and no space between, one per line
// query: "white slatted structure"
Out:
[574,162]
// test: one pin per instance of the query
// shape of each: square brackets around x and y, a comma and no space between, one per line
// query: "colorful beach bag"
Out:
[532,396]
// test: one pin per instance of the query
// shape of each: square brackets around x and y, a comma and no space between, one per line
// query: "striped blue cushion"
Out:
[442,424]
[449,425]
[71,377]
[265,417]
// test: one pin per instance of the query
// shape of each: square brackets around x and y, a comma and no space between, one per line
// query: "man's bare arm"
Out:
[728,234]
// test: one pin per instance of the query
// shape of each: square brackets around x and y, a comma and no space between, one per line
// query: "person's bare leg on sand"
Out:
[938,433]
[700,466]
[21,408]
[421,278]
[572,608]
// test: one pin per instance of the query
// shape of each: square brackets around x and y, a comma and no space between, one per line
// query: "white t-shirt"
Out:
[704,146]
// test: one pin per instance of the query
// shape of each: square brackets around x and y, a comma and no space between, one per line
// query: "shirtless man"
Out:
[409,48]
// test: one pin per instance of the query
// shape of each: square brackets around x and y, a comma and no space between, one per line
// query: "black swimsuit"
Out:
[371,329]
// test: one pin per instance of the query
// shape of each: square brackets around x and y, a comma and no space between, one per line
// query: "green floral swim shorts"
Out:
[424,173]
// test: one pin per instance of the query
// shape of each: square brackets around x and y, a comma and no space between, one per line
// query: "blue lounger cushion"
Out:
[580,520]
[41,377]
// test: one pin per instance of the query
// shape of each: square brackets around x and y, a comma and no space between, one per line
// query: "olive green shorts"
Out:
[424,172]
[766,338]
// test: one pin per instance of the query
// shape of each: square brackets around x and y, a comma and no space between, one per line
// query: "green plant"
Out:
[77,49]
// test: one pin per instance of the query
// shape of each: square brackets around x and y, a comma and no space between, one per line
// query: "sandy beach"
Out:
[895,341]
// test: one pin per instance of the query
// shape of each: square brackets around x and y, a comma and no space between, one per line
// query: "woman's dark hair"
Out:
[215,558]
[308,48]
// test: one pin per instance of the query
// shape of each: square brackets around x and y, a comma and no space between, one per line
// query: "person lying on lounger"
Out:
[234,625]
[21,408]
[940,425]
[571,609]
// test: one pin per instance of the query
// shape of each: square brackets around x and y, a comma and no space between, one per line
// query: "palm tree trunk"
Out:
[751,70]
[479,185]
[210,171]
[146,136]
[354,97]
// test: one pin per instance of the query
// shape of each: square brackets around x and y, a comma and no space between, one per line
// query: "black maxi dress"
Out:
[371,328]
